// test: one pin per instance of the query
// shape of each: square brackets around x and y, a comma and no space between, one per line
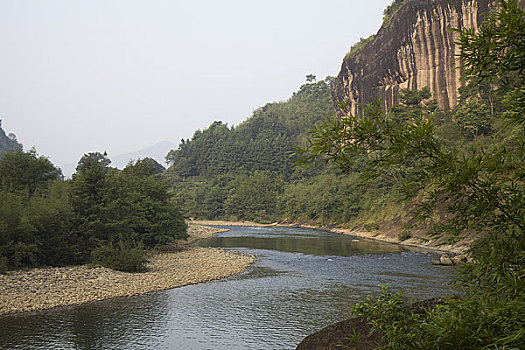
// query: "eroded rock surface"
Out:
[415,49]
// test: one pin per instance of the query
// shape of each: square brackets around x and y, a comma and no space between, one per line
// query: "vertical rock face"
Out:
[7,143]
[414,50]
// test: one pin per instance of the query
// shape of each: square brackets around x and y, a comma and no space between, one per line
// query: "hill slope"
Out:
[263,142]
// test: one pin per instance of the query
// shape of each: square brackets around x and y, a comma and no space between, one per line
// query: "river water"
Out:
[304,280]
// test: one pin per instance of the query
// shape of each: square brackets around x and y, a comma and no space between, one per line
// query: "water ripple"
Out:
[304,280]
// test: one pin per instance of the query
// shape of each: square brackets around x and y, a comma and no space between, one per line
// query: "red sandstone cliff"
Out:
[415,49]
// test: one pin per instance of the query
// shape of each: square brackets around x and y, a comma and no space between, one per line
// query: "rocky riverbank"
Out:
[46,288]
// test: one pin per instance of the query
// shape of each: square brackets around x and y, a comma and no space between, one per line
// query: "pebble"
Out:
[46,288]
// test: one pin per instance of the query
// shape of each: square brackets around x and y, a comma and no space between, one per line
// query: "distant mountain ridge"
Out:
[157,151]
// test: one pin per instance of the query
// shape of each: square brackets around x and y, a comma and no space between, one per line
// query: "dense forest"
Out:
[102,215]
[262,142]
[241,172]
[248,172]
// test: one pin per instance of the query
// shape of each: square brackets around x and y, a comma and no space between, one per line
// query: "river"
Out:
[304,280]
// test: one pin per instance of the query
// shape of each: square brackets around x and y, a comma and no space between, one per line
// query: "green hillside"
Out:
[248,172]
[264,142]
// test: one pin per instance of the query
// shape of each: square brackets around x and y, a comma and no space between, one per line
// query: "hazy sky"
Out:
[90,75]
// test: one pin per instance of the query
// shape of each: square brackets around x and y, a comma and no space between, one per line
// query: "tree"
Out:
[495,55]
[254,196]
[45,220]
[48,218]
[28,171]
[88,191]
[92,160]
[133,203]
[310,78]
[35,213]
[139,206]
[474,117]
[414,97]
[481,187]
[144,167]
[413,104]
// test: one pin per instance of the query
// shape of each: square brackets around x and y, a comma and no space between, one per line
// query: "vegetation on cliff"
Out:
[481,188]
[388,12]
[391,9]
[358,46]
[8,142]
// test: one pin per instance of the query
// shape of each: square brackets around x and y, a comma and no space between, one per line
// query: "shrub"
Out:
[357,47]
[403,236]
[471,321]
[391,10]
[371,226]
[128,255]
[390,316]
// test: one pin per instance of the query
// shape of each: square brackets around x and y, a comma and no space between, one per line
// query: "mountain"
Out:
[8,143]
[414,48]
[158,152]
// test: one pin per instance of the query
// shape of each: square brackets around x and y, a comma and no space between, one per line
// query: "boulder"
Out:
[444,260]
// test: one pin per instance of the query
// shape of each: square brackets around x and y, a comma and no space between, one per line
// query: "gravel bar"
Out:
[46,288]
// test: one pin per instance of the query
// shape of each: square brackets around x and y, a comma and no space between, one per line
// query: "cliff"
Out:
[415,49]
[8,143]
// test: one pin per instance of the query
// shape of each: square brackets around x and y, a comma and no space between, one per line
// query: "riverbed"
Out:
[304,280]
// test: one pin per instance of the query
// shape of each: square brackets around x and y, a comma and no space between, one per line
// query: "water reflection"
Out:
[299,240]
[304,280]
